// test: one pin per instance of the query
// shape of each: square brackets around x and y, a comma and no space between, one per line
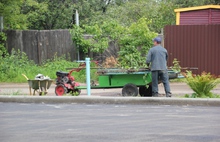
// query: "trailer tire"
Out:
[145,92]
[130,90]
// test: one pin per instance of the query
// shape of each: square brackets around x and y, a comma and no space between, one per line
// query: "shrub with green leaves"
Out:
[135,44]
[14,64]
[17,63]
[202,84]
[133,41]
[3,38]
[97,42]
[176,66]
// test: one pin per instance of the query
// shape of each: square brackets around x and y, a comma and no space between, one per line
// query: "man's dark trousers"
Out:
[161,75]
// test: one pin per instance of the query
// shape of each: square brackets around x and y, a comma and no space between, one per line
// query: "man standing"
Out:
[157,56]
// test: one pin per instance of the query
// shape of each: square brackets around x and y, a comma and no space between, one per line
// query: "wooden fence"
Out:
[41,45]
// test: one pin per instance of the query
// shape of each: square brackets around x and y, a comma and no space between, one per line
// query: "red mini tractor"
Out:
[66,83]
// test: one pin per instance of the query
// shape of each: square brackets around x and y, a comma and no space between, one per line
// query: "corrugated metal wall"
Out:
[200,17]
[194,17]
[194,46]
[215,16]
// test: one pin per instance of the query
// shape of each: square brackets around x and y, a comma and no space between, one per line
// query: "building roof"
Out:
[197,8]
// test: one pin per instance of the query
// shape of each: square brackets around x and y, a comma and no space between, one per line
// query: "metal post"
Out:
[1,23]
[88,76]
[77,23]
[77,18]
[162,36]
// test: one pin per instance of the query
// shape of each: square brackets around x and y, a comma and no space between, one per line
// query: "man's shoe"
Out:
[168,95]
[155,95]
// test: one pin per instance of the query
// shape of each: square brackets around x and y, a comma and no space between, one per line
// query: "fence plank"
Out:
[41,45]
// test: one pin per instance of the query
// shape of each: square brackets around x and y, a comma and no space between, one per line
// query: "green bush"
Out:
[14,65]
[202,84]
[135,44]
[3,38]
[133,41]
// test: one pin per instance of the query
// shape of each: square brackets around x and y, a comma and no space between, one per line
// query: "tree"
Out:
[48,14]
[160,13]
[133,41]
[60,14]
[135,44]
[91,10]
[11,12]
[35,13]
[190,3]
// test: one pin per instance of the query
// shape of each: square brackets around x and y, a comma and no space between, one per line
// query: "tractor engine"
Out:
[63,78]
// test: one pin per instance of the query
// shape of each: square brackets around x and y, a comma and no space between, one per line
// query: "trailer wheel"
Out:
[130,90]
[145,92]
[60,90]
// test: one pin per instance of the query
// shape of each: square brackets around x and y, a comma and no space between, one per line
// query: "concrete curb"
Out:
[110,100]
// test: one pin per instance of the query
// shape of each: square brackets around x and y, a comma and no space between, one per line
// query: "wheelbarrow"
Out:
[39,85]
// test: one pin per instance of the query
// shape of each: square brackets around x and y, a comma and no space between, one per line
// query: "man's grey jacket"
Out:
[157,56]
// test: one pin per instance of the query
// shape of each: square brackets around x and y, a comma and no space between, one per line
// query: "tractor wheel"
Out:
[130,90]
[145,92]
[60,90]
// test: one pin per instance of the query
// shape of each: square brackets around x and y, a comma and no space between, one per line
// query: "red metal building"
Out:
[201,15]
[194,46]
[195,39]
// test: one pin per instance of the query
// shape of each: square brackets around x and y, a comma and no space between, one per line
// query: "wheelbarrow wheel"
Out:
[145,92]
[130,90]
[60,90]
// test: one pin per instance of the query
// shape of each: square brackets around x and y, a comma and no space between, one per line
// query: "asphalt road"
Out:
[108,123]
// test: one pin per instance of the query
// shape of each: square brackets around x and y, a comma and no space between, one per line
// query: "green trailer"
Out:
[128,80]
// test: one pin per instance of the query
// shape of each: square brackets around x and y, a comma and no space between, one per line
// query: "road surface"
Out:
[108,123]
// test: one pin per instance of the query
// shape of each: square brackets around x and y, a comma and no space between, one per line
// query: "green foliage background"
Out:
[59,14]
[135,44]
[3,38]
[133,41]
[14,65]
[129,24]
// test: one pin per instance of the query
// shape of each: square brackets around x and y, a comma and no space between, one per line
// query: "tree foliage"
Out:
[190,3]
[59,14]
[135,44]
[47,14]
[35,14]
[133,41]
[11,11]
[2,44]
[95,38]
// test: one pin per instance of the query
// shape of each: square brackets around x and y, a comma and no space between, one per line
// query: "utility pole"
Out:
[1,23]
[77,24]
